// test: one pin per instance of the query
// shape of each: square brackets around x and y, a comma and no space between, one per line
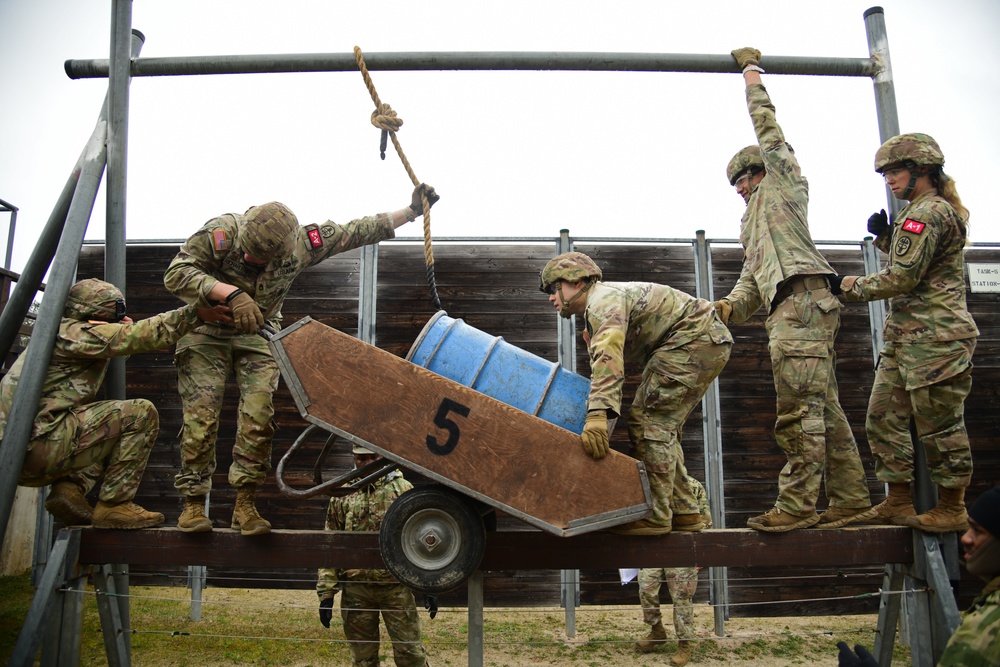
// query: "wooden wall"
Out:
[494,288]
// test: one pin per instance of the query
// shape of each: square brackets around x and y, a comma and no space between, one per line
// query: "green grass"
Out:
[281,627]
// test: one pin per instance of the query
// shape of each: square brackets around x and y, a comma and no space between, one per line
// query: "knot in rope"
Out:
[384,118]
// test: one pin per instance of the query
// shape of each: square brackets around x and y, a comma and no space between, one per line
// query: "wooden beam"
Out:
[509,550]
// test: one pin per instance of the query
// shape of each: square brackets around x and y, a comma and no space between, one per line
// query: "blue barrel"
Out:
[494,367]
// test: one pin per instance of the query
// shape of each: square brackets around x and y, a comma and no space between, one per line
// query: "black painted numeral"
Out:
[442,421]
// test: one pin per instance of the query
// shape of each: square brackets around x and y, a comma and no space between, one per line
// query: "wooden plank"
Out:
[508,550]
[494,452]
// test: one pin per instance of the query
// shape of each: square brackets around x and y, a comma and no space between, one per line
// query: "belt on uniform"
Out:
[798,284]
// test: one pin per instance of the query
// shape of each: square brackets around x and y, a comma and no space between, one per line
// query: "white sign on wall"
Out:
[984,277]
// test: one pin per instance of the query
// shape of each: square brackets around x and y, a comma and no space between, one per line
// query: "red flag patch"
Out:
[315,240]
[220,240]
[913,226]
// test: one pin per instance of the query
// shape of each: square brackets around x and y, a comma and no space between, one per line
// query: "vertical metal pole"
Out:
[475,591]
[125,44]
[712,438]
[885,90]
[366,293]
[5,206]
[569,580]
[876,309]
[119,78]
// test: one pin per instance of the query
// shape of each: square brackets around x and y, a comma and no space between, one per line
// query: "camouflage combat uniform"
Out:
[366,592]
[683,346]
[72,432]
[205,357]
[925,365]
[976,642]
[785,272]
[681,581]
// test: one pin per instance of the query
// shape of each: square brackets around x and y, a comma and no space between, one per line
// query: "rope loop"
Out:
[385,119]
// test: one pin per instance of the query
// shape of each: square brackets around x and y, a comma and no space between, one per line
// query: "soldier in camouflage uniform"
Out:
[683,347]
[785,272]
[682,583]
[925,365]
[248,262]
[367,592]
[976,642]
[72,432]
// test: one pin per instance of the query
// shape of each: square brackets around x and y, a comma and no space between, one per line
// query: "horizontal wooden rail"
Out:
[508,550]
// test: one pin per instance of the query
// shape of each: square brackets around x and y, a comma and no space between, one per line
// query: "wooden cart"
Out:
[482,454]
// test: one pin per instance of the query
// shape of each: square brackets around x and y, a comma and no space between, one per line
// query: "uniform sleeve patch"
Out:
[315,238]
[913,226]
[221,240]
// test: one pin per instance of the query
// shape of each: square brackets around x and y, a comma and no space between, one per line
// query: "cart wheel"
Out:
[432,540]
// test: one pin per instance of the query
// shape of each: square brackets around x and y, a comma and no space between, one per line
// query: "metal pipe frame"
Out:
[10,208]
[474,60]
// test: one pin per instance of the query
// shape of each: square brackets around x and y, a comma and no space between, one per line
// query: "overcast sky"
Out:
[511,153]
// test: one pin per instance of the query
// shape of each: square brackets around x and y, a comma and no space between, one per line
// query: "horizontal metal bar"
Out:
[470,60]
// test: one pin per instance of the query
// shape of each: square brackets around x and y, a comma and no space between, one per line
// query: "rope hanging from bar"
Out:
[385,119]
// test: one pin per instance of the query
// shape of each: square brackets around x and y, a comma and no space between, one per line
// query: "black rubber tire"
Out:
[432,539]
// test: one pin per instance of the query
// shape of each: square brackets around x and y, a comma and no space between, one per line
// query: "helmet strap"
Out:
[562,311]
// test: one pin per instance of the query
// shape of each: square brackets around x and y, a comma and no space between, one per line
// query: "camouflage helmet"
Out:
[360,450]
[94,299]
[920,149]
[266,228]
[569,266]
[747,158]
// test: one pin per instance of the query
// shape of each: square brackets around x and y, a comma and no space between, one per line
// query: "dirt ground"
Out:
[522,637]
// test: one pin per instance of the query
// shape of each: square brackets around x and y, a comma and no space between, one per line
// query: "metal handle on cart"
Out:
[343,485]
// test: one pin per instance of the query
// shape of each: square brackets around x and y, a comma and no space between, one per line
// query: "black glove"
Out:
[878,223]
[431,605]
[417,200]
[326,612]
[835,284]
[847,658]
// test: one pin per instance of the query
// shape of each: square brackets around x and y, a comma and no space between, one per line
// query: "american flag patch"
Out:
[913,226]
[220,240]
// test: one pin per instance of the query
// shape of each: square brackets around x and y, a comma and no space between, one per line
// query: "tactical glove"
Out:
[326,611]
[417,200]
[878,223]
[835,284]
[596,441]
[723,309]
[431,605]
[847,658]
[746,56]
[246,314]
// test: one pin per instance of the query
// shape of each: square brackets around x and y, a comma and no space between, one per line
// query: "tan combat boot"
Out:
[640,527]
[124,516]
[949,516]
[657,635]
[776,520]
[683,654]
[246,519]
[193,519]
[688,522]
[896,507]
[838,517]
[67,503]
